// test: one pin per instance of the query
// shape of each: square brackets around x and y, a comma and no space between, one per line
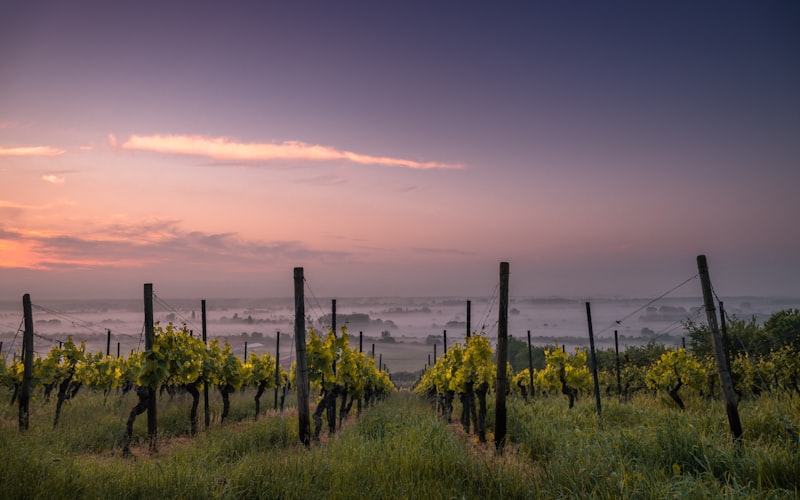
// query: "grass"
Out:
[400,449]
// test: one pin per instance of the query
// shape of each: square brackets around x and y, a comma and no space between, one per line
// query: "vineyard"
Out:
[649,421]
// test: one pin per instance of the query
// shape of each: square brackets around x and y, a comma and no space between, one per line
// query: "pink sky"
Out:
[397,150]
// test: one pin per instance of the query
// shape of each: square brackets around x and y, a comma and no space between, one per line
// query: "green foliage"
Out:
[564,370]
[747,336]
[783,328]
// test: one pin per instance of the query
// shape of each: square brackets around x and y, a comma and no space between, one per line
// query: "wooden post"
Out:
[331,410]
[302,366]
[245,352]
[530,362]
[149,340]
[444,336]
[360,341]
[429,360]
[117,349]
[502,360]
[380,361]
[27,361]
[726,343]
[333,318]
[373,352]
[277,366]
[469,318]
[594,360]
[616,358]
[434,353]
[206,414]
[108,342]
[719,351]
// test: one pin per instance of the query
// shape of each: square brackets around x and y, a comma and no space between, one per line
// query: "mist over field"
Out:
[403,330]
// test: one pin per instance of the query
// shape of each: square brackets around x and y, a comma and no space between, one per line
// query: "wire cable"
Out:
[648,304]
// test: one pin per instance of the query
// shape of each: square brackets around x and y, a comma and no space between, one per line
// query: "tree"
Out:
[783,328]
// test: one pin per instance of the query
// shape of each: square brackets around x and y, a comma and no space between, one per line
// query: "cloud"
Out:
[221,148]
[53,179]
[148,244]
[31,151]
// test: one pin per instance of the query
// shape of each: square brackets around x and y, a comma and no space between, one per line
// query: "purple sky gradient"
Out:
[596,146]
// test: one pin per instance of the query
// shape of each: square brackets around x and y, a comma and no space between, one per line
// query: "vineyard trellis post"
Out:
[469,317]
[616,359]
[502,360]
[108,342]
[444,342]
[530,362]
[277,366]
[331,410]
[302,366]
[206,414]
[723,369]
[594,360]
[149,340]
[27,360]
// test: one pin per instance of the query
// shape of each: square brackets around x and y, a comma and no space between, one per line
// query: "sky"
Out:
[398,148]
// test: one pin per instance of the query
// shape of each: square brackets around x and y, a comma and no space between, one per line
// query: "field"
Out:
[401,448]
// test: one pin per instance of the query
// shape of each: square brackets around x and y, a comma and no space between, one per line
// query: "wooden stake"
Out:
[502,360]
[27,361]
[149,340]
[444,336]
[206,413]
[277,366]
[302,366]
[333,320]
[616,358]
[530,362]
[108,342]
[719,351]
[594,360]
[469,318]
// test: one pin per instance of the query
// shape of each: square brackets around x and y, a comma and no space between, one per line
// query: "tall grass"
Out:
[401,449]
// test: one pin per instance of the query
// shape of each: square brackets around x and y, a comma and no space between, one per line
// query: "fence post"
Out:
[719,351]
[302,366]
[502,360]
[149,340]
[616,358]
[277,366]
[27,360]
[469,317]
[594,360]
[206,413]
[530,362]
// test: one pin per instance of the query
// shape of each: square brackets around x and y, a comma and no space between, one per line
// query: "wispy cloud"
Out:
[53,179]
[31,151]
[221,148]
[152,243]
